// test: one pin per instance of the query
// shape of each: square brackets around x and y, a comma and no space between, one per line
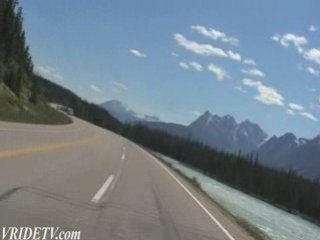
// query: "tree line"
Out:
[285,189]
[16,67]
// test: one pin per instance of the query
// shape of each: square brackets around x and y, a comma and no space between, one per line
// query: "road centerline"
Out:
[97,197]
[116,179]
[45,148]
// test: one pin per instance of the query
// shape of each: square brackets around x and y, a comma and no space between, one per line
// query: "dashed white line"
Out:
[110,181]
[115,180]
[97,197]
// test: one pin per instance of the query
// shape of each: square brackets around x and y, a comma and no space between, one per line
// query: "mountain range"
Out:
[123,113]
[222,133]
[225,134]
[289,152]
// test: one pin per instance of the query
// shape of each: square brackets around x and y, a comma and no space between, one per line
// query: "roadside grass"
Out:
[253,231]
[13,110]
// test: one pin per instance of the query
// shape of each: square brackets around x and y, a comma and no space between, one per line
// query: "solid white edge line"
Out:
[102,190]
[225,231]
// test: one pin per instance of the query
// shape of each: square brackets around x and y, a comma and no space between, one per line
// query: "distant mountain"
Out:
[289,152]
[222,133]
[123,113]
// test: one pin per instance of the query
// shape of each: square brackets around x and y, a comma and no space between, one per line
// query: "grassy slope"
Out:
[13,110]
[90,112]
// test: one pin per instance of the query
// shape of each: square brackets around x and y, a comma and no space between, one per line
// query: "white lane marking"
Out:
[102,190]
[116,179]
[123,157]
[225,231]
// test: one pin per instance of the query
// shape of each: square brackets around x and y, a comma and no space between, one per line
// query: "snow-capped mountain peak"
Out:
[122,112]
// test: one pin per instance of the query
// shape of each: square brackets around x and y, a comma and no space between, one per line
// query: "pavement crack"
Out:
[49,195]
[8,193]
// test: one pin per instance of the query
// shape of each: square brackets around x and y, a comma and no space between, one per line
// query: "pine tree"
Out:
[16,68]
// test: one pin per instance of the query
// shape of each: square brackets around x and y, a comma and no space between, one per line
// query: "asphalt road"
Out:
[84,178]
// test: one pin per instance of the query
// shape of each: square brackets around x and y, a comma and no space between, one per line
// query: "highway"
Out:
[81,177]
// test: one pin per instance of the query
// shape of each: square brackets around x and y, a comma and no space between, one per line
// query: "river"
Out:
[274,222]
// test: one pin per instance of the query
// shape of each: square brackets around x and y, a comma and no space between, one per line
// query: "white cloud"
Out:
[313,55]
[240,89]
[48,72]
[196,66]
[196,113]
[120,85]
[266,94]
[231,40]
[201,49]
[95,88]
[191,65]
[137,53]
[276,37]
[211,33]
[204,49]
[250,83]
[312,90]
[313,71]
[253,72]
[184,65]
[175,54]
[288,39]
[309,116]
[249,62]
[296,107]
[215,34]
[291,112]
[219,72]
[98,99]
[312,28]
[117,91]
[234,56]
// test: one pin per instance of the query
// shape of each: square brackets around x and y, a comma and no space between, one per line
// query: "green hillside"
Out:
[90,112]
[20,98]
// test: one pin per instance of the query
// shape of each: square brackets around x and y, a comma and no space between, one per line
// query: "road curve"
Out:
[84,178]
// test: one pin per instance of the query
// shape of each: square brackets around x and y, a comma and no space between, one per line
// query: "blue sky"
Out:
[175,59]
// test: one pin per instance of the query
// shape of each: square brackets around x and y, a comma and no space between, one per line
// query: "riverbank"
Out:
[273,222]
[245,225]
